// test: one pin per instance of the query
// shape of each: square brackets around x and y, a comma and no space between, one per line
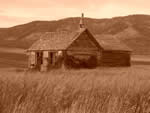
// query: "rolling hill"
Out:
[133,30]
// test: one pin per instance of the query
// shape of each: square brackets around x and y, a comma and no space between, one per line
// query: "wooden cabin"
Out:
[53,49]
[113,53]
[78,49]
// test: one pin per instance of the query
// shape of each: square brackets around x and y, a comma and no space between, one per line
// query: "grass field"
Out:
[101,90]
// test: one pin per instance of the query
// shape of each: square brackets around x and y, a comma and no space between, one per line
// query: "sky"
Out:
[15,12]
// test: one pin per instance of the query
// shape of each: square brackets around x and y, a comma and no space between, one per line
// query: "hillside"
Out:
[133,30]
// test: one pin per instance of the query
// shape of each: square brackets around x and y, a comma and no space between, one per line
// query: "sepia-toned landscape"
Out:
[54,60]
[132,30]
[99,90]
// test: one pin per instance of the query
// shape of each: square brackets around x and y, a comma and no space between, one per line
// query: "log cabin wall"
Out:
[83,45]
[115,58]
[82,50]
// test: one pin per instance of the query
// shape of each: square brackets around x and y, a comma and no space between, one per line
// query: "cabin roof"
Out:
[109,42]
[62,40]
[55,40]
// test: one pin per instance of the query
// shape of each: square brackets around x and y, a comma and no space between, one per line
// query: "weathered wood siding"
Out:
[83,45]
[83,52]
[115,58]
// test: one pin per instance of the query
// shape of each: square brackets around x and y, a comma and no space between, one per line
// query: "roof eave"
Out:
[47,50]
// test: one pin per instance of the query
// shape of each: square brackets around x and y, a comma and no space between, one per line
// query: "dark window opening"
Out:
[39,57]
[51,58]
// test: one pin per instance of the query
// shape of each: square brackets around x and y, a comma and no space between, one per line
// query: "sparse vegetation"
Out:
[101,90]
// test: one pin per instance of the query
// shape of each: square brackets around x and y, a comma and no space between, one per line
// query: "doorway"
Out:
[51,58]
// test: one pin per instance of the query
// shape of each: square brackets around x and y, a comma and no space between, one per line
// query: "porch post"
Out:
[99,57]
[32,60]
[44,66]
[29,62]
[54,59]
[64,60]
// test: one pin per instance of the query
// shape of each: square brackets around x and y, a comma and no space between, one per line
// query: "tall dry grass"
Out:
[102,90]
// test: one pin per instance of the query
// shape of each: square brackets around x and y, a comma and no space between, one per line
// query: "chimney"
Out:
[81,24]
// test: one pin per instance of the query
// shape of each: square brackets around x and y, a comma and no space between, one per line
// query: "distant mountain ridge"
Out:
[133,30]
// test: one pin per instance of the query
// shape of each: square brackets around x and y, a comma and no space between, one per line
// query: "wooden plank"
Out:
[45,54]
[33,58]
[82,52]
[83,43]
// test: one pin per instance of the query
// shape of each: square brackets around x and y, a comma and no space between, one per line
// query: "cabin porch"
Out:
[45,60]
